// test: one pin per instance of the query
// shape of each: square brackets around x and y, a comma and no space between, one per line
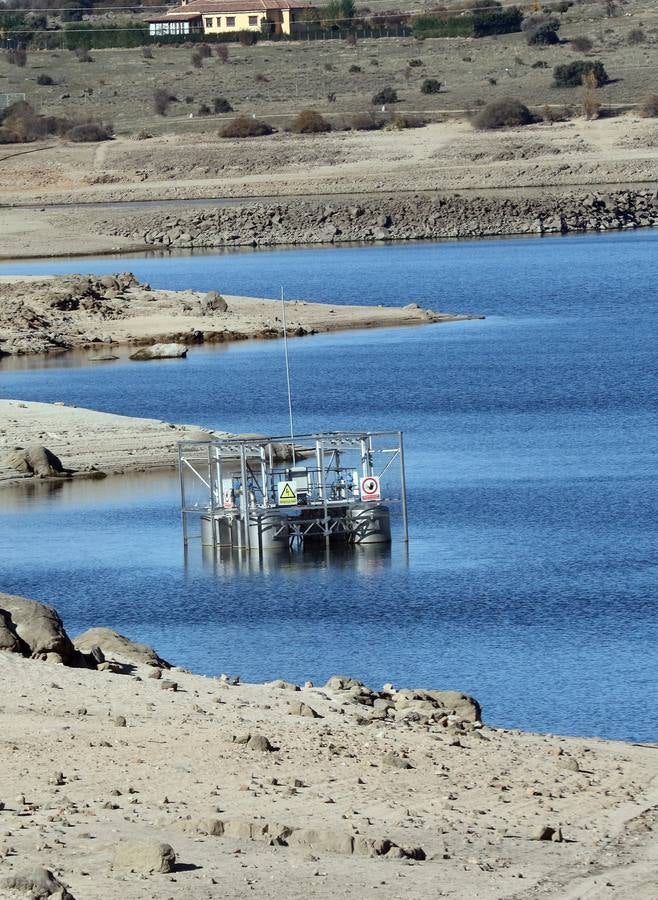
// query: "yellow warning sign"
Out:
[287,493]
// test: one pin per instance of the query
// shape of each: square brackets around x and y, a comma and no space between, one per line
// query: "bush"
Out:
[247,38]
[582,44]
[636,36]
[540,64]
[44,79]
[572,74]
[205,50]
[243,126]
[221,51]
[203,110]
[551,114]
[365,122]
[489,21]
[429,26]
[89,132]
[354,69]
[430,86]
[161,101]
[221,105]
[506,113]
[197,60]
[143,135]
[415,63]
[308,121]
[261,78]
[82,54]
[147,52]
[386,95]
[541,29]
[649,106]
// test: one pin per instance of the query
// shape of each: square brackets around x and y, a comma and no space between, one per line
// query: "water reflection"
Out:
[364,560]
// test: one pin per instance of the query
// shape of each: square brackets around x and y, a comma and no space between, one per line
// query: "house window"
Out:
[230,21]
[253,20]
[208,23]
[218,21]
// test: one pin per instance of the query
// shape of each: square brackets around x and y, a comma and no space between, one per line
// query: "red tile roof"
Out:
[210,7]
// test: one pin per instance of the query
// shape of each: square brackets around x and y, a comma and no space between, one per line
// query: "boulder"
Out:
[34,460]
[213,302]
[9,640]
[303,709]
[160,351]
[322,840]
[37,884]
[38,628]
[115,646]
[144,857]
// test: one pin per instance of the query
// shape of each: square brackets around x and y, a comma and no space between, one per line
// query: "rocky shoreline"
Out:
[125,775]
[387,218]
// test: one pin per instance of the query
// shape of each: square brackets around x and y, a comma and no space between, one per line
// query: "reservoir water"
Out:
[532,444]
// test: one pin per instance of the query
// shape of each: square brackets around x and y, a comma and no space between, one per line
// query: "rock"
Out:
[117,647]
[259,742]
[323,840]
[303,709]
[393,761]
[169,685]
[213,302]
[35,460]
[280,684]
[542,833]
[342,683]
[39,884]
[160,351]
[120,721]
[144,857]
[38,629]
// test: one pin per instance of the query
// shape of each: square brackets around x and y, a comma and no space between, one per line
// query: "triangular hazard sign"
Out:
[287,493]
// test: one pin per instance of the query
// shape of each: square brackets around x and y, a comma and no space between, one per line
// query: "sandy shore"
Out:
[89,441]
[100,313]
[94,761]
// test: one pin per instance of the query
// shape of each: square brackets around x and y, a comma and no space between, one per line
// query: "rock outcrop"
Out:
[34,629]
[34,460]
[160,351]
[391,218]
[116,647]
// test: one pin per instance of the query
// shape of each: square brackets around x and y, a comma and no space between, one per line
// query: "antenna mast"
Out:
[285,351]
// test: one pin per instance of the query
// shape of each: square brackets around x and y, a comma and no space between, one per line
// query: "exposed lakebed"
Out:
[532,444]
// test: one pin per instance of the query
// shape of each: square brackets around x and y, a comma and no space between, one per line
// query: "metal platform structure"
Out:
[269,493]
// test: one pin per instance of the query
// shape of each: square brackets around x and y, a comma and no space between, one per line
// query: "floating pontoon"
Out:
[268,493]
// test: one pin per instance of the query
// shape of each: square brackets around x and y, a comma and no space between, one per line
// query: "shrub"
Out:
[354,69]
[552,114]
[649,106]
[541,29]
[428,26]
[221,105]
[430,86]
[205,50]
[222,52]
[540,64]
[572,74]
[197,60]
[147,52]
[44,79]
[331,97]
[506,113]
[636,36]
[591,103]
[82,54]
[350,39]
[243,126]
[203,110]
[489,21]
[261,78]
[161,101]
[247,38]
[582,44]
[89,132]
[386,95]
[143,135]
[415,63]
[365,122]
[308,121]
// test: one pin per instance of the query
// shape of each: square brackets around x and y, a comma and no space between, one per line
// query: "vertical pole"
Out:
[285,351]
[324,491]
[263,475]
[182,494]
[211,482]
[318,462]
[244,499]
[403,491]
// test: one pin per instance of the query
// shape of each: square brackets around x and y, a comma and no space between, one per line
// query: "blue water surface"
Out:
[532,443]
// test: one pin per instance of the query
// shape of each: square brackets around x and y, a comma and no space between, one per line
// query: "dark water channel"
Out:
[532,450]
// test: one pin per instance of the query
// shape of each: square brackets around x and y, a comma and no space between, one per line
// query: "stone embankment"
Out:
[389,219]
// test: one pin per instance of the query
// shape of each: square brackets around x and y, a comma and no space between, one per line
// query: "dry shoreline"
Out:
[272,790]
